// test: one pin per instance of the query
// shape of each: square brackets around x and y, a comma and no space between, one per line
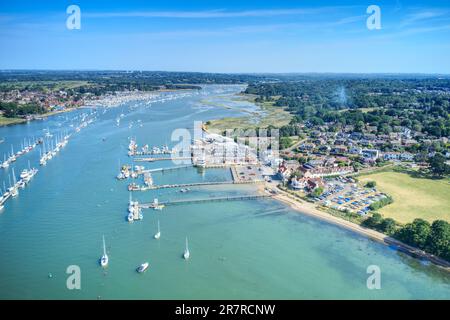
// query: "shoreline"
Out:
[311,210]
[39,117]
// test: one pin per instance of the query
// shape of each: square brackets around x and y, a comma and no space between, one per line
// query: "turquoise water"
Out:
[245,249]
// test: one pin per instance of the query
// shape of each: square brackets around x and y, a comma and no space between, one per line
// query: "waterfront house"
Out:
[306,183]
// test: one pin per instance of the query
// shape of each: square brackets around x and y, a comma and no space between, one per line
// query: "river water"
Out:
[257,249]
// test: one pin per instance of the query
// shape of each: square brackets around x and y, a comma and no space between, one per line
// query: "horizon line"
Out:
[233,72]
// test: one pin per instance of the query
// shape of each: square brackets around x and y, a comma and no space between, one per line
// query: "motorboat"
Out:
[158,234]
[143,267]
[104,259]
[186,254]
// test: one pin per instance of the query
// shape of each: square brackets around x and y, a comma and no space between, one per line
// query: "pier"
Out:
[156,152]
[151,159]
[193,201]
[168,169]
[185,185]
[150,153]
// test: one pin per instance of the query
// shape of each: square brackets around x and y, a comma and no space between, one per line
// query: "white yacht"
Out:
[143,267]
[13,191]
[186,253]
[104,259]
[5,163]
[32,173]
[131,205]
[24,174]
[158,234]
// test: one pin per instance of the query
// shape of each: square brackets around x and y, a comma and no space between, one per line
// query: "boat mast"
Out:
[104,247]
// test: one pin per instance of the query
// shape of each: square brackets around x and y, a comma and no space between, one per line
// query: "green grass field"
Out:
[7,121]
[413,197]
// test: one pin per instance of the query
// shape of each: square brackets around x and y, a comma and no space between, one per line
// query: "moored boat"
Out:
[104,259]
[143,267]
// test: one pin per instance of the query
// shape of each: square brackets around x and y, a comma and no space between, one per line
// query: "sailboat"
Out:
[5,163]
[13,189]
[104,260]
[186,253]
[158,234]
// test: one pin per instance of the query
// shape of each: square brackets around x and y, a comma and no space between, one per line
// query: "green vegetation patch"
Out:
[414,197]
[269,116]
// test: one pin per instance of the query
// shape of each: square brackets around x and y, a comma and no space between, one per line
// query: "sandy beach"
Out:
[310,209]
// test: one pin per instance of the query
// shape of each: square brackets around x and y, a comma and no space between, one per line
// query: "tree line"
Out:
[433,238]
[13,110]
[419,104]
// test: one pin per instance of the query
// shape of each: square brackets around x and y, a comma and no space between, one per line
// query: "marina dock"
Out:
[167,169]
[151,159]
[134,187]
[193,201]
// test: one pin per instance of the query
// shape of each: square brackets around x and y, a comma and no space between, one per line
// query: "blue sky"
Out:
[227,36]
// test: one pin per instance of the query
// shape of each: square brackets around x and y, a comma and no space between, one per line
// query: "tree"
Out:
[374,221]
[285,142]
[415,233]
[438,165]
[371,184]
[359,126]
[317,192]
[388,226]
[438,241]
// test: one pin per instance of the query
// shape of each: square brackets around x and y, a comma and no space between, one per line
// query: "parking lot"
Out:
[345,194]
[247,173]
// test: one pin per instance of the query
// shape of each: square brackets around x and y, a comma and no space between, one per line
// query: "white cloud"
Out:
[424,15]
[209,14]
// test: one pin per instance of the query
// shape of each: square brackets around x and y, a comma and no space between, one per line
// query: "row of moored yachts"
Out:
[13,191]
[53,150]
[12,157]
[27,174]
